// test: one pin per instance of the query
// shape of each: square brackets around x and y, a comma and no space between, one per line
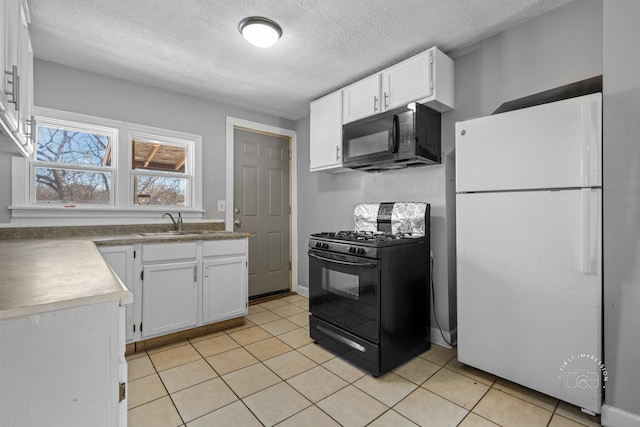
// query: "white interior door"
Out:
[262,208]
[529,279]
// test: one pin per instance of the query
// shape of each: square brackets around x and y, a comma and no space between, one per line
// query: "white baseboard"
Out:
[301,290]
[436,338]
[616,417]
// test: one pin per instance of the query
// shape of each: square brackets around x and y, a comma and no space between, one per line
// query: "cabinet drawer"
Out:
[169,251]
[224,247]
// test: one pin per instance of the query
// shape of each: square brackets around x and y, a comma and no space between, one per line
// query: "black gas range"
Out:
[368,288]
[362,243]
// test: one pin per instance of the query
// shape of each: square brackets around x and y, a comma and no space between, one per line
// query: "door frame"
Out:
[231,124]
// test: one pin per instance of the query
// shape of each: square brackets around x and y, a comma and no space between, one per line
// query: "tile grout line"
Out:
[234,392]
[297,349]
[313,404]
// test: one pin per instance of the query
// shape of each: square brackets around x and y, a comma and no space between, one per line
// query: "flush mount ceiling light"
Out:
[259,31]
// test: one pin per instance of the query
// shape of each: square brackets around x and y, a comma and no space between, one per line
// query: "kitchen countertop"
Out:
[130,239]
[40,275]
[46,275]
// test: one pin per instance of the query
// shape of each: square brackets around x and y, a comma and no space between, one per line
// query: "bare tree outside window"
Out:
[73,166]
[157,190]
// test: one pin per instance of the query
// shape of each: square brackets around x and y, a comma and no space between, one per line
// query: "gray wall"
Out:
[622,207]
[70,89]
[557,48]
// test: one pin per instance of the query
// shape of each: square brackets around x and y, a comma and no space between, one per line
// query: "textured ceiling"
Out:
[194,47]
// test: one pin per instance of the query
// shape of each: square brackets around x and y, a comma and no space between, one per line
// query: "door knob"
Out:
[237,223]
[236,210]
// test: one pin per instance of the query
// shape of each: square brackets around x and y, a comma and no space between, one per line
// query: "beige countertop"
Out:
[45,275]
[40,275]
[130,239]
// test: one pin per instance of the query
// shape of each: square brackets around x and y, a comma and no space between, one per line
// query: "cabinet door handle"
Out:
[375,103]
[17,91]
[15,86]
[31,135]
[386,98]
[337,152]
[195,273]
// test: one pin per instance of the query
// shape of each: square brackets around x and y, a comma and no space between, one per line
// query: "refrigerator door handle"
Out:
[591,131]
[585,219]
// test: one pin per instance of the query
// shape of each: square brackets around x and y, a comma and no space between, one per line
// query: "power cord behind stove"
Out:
[433,299]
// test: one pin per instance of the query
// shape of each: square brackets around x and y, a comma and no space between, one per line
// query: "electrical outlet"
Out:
[222,205]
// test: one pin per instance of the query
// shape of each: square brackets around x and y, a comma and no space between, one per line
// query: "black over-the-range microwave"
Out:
[404,137]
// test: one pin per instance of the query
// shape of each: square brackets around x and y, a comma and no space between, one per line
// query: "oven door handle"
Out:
[353,264]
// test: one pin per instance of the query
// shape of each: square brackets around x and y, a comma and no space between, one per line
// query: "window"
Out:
[113,169]
[74,164]
[161,172]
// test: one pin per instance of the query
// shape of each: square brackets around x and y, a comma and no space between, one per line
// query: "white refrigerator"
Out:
[529,247]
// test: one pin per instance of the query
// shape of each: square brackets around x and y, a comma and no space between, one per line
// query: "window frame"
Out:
[188,174]
[82,127]
[25,209]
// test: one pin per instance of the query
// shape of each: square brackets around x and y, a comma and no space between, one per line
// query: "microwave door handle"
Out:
[393,144]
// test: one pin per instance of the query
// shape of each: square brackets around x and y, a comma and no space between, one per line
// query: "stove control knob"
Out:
[325,246]
[318,244]
[352,250]
[361,251]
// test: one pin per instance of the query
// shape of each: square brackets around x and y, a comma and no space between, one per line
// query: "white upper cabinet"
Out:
[407,81]
[326,133]
[16,99]
[362,99]
[426,78]
[25,67]
[3,53]
[10,71]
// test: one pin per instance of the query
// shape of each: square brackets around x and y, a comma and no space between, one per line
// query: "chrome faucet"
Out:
[176,224]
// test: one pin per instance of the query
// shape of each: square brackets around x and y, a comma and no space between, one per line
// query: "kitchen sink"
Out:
[174,233]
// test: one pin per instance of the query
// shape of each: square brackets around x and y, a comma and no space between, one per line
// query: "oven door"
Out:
[344,290]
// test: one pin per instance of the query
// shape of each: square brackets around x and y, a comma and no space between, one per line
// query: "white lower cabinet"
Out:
[169,298]
[224,280]
[64,368]
[121,259]
[180,285]
[170,287]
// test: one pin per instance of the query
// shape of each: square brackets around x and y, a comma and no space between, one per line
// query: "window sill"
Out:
[96,215]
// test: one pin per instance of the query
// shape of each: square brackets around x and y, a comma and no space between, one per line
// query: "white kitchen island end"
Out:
[62,332]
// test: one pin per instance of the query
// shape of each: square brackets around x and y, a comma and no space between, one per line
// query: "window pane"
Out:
[158,156]
[159,190]
[67,146]
[72,186]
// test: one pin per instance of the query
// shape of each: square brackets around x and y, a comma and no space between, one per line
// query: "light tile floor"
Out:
[268,372]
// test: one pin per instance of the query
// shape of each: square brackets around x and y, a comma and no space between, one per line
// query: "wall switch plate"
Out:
[222,205]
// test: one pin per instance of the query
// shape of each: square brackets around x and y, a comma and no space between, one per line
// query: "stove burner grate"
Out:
[366,236]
